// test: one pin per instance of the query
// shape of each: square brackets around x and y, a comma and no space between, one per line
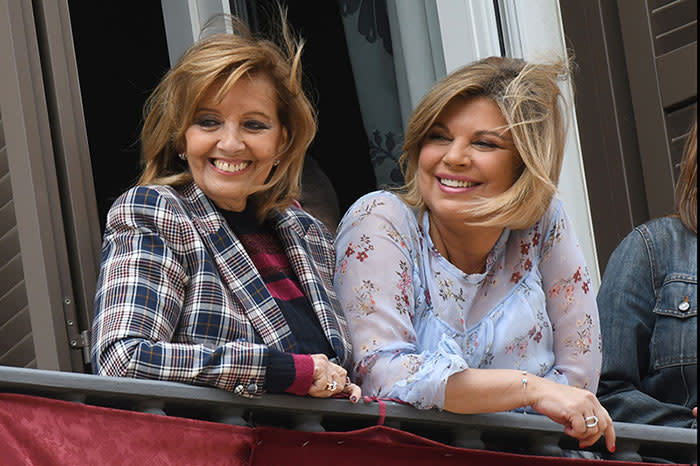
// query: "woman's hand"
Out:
[578,410]
[330,379]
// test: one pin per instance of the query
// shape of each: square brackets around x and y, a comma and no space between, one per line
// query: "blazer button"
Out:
[252,388]
[238,390]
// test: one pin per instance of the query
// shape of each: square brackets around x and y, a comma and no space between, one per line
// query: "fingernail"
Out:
[612,449]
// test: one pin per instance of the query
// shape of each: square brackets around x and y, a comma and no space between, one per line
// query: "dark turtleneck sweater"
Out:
[286,371]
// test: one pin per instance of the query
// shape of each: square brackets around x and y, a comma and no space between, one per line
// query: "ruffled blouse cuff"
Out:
[426,388]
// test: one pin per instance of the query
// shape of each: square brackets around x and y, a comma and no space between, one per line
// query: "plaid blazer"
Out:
[179,299]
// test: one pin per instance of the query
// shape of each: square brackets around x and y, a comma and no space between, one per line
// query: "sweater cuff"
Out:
[304,366]
[280,372]
[287,372]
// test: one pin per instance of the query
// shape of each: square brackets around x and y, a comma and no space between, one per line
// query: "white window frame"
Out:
[184,20]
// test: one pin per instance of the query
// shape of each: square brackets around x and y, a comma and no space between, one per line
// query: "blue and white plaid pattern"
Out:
[179,299]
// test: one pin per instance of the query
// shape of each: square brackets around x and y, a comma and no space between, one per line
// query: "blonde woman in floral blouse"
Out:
[467,290]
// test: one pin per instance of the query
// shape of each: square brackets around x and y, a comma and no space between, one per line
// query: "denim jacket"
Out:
[648,316]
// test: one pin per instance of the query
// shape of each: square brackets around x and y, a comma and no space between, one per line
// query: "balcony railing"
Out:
[505,432]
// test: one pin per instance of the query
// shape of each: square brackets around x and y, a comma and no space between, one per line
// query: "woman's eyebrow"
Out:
[498,134]
[206,109]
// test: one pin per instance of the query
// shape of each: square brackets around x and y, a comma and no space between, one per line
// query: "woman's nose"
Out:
[230,140]
[458,154]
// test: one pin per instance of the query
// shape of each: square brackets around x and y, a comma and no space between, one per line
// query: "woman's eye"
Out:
[438,137]
[207,122]
[255,125]
[486,145]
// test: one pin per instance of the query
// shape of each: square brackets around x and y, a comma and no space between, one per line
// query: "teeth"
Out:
[457,183]
[230,167]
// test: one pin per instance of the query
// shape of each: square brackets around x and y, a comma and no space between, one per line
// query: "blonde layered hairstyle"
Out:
[687,184]
[529,97]
[220,60]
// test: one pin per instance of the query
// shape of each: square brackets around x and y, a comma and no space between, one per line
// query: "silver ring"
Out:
[331,386]
[591,421]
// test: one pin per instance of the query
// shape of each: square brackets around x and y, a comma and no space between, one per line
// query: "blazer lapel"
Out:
[238,271]
[304,245]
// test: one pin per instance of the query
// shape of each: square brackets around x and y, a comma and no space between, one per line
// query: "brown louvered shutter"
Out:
[16,343]
[49,236]
[660,42]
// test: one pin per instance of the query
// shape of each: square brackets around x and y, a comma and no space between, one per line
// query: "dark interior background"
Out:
[122,56]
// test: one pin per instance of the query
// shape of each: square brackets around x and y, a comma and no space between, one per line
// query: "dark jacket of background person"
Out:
[648,314]
[648,306]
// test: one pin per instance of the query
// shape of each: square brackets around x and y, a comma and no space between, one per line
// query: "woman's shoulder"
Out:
[555,211]
[148,205]
[550,221]
[150,196]
[665,228]
[147,194]
[304,219]
[379,204]
[659,234]
[668,241]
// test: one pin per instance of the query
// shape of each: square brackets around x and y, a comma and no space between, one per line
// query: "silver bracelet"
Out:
[524,382]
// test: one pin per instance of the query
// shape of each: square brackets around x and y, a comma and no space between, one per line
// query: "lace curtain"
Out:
[366,25]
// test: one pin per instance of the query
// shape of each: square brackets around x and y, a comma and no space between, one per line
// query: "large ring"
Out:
[591,421]
[331,386]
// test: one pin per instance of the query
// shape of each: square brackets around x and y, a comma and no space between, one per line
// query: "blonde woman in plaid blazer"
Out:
[211,273]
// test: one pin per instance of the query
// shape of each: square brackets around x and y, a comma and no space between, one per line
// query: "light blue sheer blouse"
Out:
[415,319]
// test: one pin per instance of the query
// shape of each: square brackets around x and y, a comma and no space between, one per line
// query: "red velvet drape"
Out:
[41,432]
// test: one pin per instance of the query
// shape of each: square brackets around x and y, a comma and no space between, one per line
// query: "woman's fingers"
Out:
[329,378]
[609,432]
[578,426]
[596,424]
[579,411]
[353,391]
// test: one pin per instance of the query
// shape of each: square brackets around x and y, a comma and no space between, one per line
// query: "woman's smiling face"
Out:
[466,153]
[231,145]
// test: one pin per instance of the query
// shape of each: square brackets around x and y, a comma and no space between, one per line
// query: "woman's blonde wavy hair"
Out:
[687,184]
[530,99]
[221,60]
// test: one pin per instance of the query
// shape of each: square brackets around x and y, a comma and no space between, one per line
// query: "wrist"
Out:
[523,383]
[304,374]
[534,387]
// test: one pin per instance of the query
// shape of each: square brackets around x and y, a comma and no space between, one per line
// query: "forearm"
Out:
[490,390]
[225,367]
[474,391]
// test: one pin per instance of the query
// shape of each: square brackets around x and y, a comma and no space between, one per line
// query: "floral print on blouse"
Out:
[415,319]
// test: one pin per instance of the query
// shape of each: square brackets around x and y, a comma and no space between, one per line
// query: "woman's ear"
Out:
[284,140]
